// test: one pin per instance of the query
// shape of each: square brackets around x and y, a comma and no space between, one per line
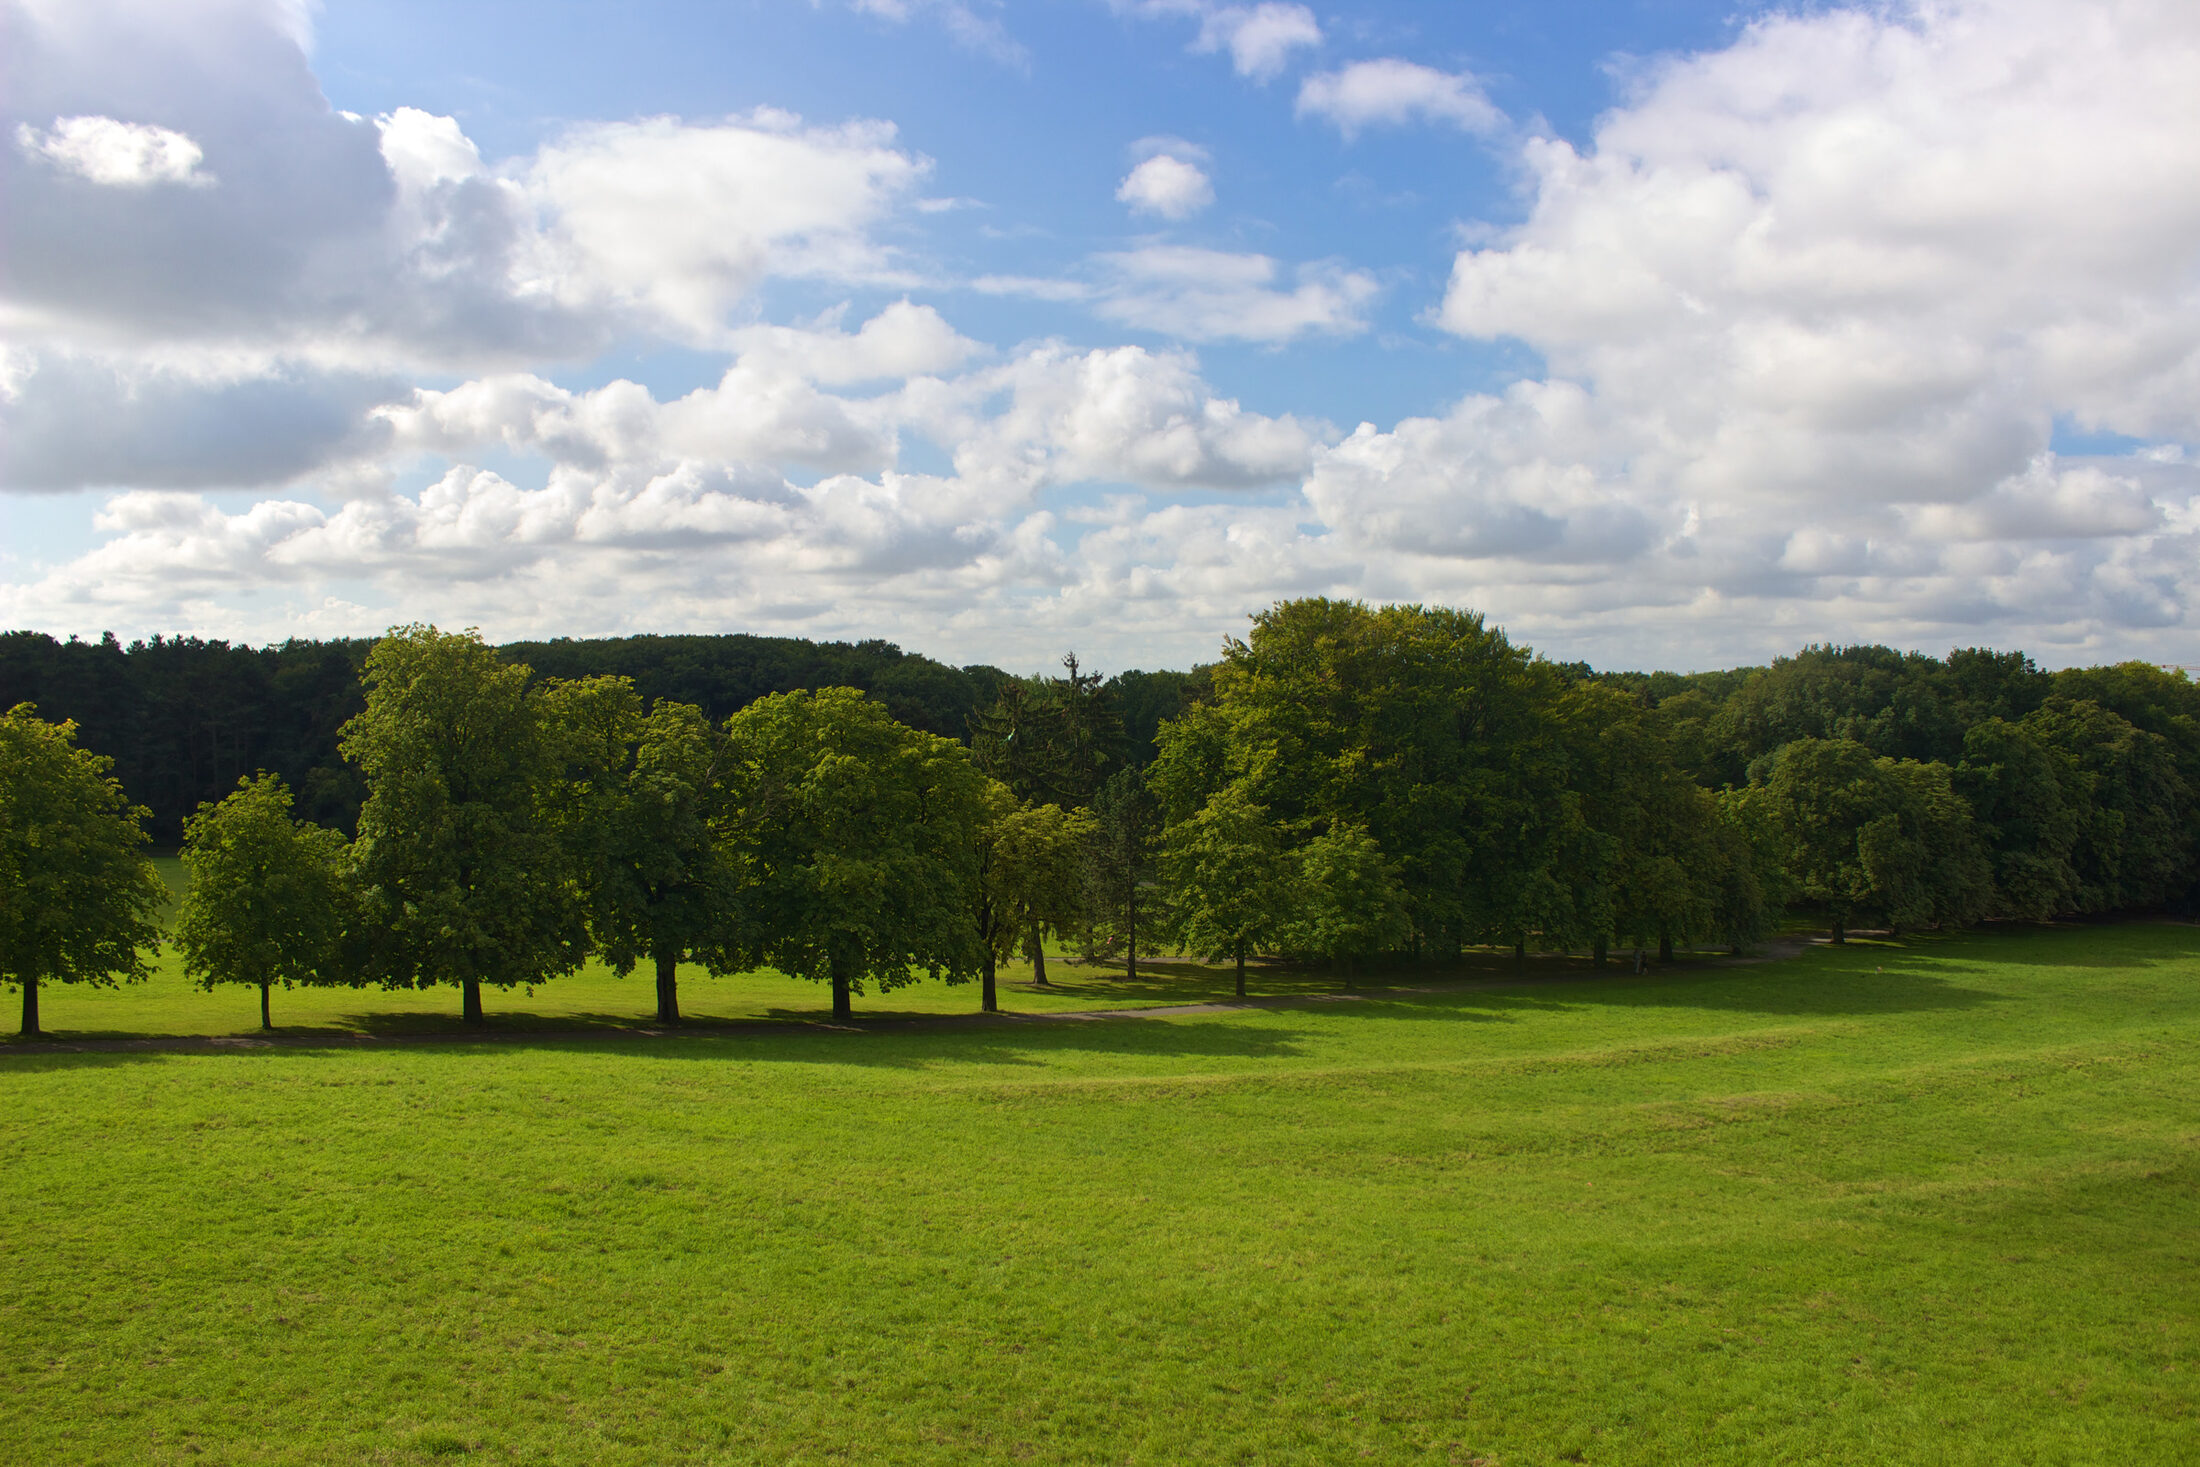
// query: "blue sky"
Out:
[1668,334]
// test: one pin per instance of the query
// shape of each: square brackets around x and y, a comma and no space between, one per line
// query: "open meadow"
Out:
[1924,1202]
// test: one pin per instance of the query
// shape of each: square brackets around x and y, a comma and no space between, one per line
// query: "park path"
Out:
[898,1024]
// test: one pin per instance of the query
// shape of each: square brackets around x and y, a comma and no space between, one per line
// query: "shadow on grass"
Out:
[1913,974]
[885,1046]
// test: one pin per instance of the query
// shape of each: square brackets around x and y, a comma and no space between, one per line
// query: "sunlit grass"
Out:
[1928,1202]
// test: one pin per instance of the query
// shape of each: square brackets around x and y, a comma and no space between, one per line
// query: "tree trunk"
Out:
[470,1005]
[1039,955]
[1601,951]
[266,1022]
[843,1011]
[1840,930]
[1241,968]
[668,986]
[30,1005]
[1665,947]
[1520,952]
[1130,951]
[988,1001]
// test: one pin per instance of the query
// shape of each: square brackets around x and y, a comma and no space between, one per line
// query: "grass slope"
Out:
[1928,1203]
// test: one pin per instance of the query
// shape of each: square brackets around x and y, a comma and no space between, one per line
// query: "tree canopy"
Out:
[268,896]
[78,900]
[861,837]
[462,877]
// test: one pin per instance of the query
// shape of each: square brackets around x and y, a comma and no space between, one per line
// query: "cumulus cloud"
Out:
[116,154]
[1167,185]
[1809,308]
[1392,93]
[388,241]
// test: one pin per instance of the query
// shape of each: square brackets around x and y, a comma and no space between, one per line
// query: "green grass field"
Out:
[1930,1203]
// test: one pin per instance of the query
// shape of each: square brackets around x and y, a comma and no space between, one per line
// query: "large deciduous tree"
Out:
[462,876]
[268,897]
[646,808]
[1425,726]
[78,899]
[861,838]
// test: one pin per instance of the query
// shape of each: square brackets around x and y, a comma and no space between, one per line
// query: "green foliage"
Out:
[646,810]
[1422,724]
[267,901]
[861,837]
[1050,740]
[1120,863]
[2030,801]
[1888,839]
[1227,881]
[2135,842]
[77,897]
[1031,872]
[1347,903]
[461,873]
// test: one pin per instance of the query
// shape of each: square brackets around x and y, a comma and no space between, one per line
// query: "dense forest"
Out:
[184,718]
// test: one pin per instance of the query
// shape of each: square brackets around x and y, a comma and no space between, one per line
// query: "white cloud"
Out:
[390,243]
[1169,186]
[116,154]
[1259,38]
[1120,415]
[1391,92]
[681,221]
[1808,306]
[1216,295]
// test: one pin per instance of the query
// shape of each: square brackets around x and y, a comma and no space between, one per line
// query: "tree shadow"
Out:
[1882,981]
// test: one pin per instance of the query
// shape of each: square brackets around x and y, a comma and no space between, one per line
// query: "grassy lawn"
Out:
[1936,1202]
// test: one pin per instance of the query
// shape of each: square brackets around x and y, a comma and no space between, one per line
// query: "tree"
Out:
[645,810]
[77,896]
[1051,740]
[2029,800]
[1422,724]
[2134,843]
[1034,870]
[462,877]
[861,838]
[267,899]
[1227,880]
[1887,838]
[1125,823]
[1348,902]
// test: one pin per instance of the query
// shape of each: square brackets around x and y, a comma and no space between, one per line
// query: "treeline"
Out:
[184,719]
[1347,784]
[1498,798]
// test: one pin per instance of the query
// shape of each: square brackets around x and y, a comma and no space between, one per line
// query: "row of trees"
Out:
[183,718]
[1348,782]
